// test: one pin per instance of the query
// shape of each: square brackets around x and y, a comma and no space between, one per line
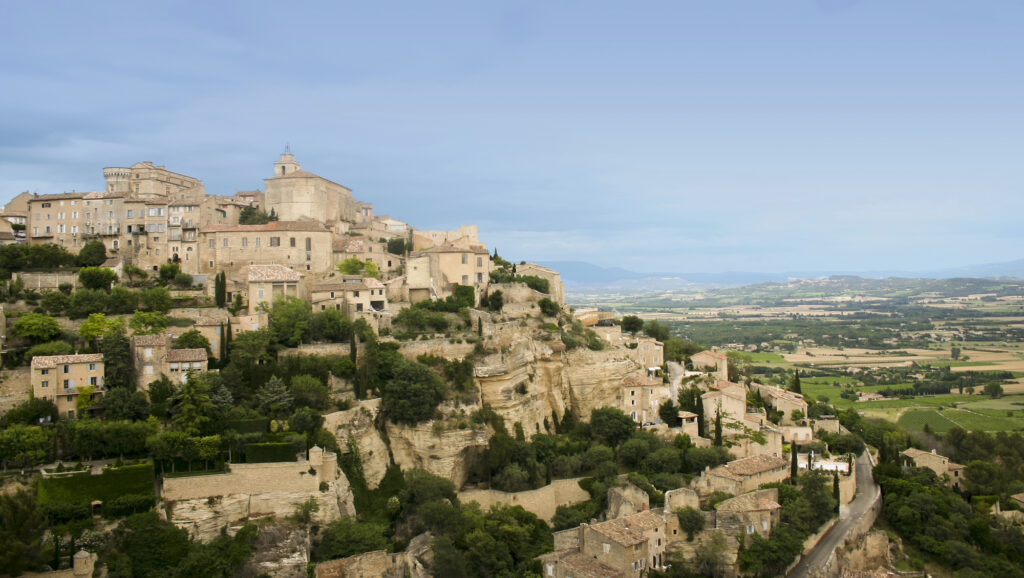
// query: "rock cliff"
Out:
[447,453]
[359,422]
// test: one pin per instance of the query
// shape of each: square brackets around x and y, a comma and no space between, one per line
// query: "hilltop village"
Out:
[282,380]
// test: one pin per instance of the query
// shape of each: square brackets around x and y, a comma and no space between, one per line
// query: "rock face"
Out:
[447,453]
[358,422]
[279,552]
[595,378]
[868,553]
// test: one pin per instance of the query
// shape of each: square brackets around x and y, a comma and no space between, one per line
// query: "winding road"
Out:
[850,514]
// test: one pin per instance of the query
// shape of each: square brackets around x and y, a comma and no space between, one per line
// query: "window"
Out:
[148,370]
[750,529]
[309,244]
[211,263]
[92,367]
[291,241]
[257,241]
[465,259]
[275,241]
[68,383]
[131,213]
[356,293]
[45,383]
[197,365]
[606,547]
[174,366]
[479,261]
[260,293]
[213,243]
[636,548]
[94,381]
[44,371]
[66,369]
[465,279]
[149,352]
[225,241]
[245,242]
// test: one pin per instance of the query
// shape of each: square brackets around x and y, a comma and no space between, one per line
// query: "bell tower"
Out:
[287,163]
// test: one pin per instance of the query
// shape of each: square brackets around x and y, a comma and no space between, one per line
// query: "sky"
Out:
[654,136]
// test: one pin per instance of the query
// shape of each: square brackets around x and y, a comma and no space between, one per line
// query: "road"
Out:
[675,378]
[850,514]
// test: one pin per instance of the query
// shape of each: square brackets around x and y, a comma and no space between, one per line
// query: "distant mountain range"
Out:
[582,275]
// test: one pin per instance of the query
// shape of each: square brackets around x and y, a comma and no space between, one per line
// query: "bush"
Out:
[127,505]
[270,452]
[548,307]
[96,277]
[51,348]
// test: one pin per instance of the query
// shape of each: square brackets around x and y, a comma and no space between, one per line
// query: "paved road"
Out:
[867,489]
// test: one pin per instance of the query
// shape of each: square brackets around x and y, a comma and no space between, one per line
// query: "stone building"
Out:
[152,356]
[268,282]
[356,297]
[556,289]
[753,513]
[303,246]
[628,546]
[464,236]
[729,399]
[712,361]
[297,195]
[650,353]
[145,179]
[642,396]
[782,400]
[60,379]
[742,476]
[626,500]
[938,463]
[433,273]
[365,249]
[56,219]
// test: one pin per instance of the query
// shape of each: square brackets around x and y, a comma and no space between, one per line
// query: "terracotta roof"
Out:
[186,355]
[710,353]
[308,226]
[752,502]
[580,565]
[272,273]
[155,340]
[914,453]
[629,530]
[51,361]
[739,469]
[57,197]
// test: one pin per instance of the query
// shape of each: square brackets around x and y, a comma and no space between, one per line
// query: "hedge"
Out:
[110,485]
[270,452]
[243,426]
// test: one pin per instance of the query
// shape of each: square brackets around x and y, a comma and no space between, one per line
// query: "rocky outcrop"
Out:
[524,385]
[594,378]
[448,453]
[359,423]
[279,552]
[204,518]
[412,563]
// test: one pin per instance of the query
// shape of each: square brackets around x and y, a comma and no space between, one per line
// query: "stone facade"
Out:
[297,195]
[152,357]
[301,246]
[629,546]
[938,463]
[61,379]
[756,512]
[742,476]
[268,282]
[712,361]
[542,501]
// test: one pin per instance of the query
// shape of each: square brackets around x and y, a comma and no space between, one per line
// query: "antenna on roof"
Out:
[287,149]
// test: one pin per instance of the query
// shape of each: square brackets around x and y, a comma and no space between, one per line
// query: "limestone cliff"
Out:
[358,422]
[444,452]
[280,551]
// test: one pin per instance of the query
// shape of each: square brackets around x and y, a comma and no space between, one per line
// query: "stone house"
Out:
[642,396]
[743,475]
[712,361]
[213,330]
[433,273]
[464,235]
[59,378]
[152,357]
[301,245]
[57,219]
[938,463]
[729,399]
[689,424]
[649,353]
[628,546]
[782,400]
[356,297]
[556,289]
[626,500]
[268,282]
[365,249]
[753,513]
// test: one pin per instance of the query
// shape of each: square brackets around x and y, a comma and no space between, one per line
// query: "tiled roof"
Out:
[57,197]
[752,502]
[301,174]
[450,248]
[156,340]
[580,565]
[307,226]
[51,361]
[272,273]
[710,353]
[641,381]
[629,530]
[738,469]
[914,453]
[186,355]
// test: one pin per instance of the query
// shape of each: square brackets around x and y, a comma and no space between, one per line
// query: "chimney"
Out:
[933,451]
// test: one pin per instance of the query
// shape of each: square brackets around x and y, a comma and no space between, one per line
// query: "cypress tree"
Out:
[794,471]
[795,384]
[835,489]
[718,428]
[702,428]
[220,289]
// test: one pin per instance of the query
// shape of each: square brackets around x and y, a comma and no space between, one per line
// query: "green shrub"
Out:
[270,452]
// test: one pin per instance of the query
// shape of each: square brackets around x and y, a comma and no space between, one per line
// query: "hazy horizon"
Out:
[828,135]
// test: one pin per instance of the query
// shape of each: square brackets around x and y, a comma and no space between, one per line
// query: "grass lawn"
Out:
[112,483]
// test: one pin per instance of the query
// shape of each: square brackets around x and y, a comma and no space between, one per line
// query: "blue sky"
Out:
[655,136]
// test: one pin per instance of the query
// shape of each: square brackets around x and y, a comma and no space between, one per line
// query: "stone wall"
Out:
[407,564]
[48,281]
[437,347]
[542,501]
[247,479]
[316,349]
[517,292]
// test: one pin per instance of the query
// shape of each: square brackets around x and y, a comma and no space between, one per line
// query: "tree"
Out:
[123,404]
[98,325]
[656,330]
[954,353]
[691,521]
[289,320]
[794,467]
[55,302]
[220,289]
[370,269]
[548,307]
[147,322]
[134,274]
[96,277]
[794,384]
[274,398]
[118,370]
[49,348]
[835,489]
[85,400]
[144,545]
[348,537]
[157,299]
[308,391]
[412,394]
[252,216]
[122,300]
[396,246]
[192,407]
[22,528]
[36,327]
[85,302]
[192,339]
[993,390]
[495,300]
[30,412]
[92,254]
[611,425]
[632,324]
[669,413]
[718,428]
[168,272]
[161,396]
[330,326]
[356,266]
